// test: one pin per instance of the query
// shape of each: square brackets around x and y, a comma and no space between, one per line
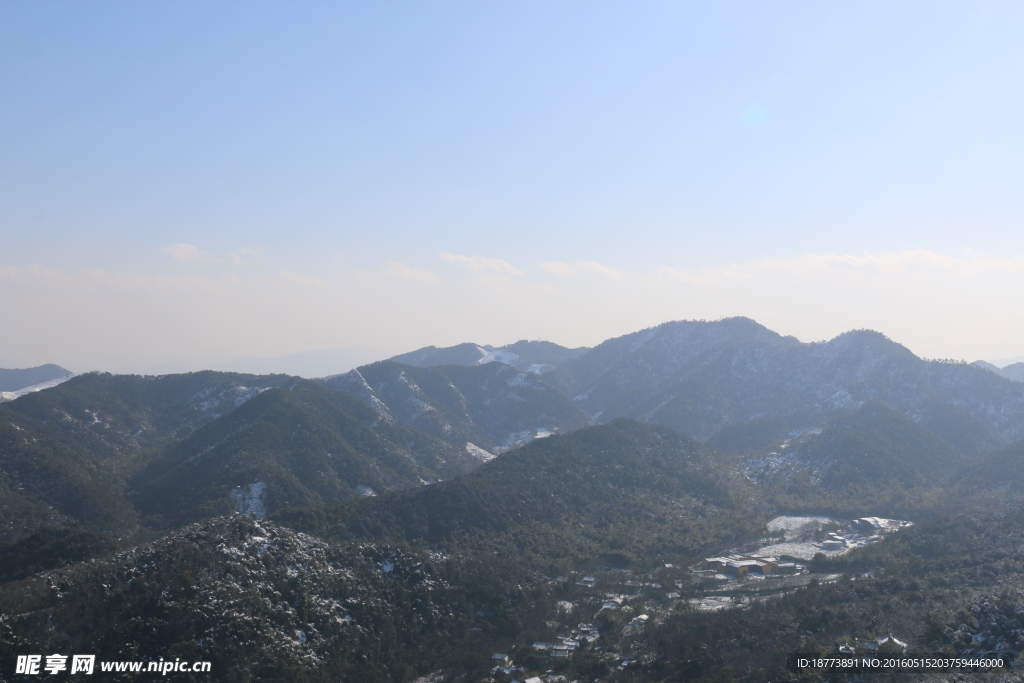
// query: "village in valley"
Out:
[604,614]
[798,539]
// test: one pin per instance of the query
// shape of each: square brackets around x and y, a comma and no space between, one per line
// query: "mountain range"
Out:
[158,452]
[492,406]
[698,376]
[558,500]
[116,452]
[412,516]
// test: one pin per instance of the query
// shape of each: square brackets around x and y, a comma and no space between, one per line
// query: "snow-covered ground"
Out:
[802,551]
[250,502]
[799,527]
[479,453]
[805,537]
[11,395]
[517,439]
[713,604]
[496,355]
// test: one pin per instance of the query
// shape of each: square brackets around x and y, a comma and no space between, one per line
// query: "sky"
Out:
[308,185]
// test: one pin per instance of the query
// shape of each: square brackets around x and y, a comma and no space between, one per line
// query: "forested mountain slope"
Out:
[611,494]
[120,453]
[47,478]
[304,445]
[869,461]
[698,376]
[132,415]
[263,603]
[492,406]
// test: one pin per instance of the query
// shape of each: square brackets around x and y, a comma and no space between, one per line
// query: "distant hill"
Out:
[491,406]
[700,376]
[611,494]
[133,415]
[12,380]
[1014,372]
[869,461]
[527,356]
[120,453]
[304,445]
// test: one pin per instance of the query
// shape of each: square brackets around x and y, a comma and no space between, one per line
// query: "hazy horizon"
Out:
[323,362]
[189,186]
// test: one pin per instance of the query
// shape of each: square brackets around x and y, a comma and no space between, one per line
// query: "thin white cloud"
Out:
[591,267]
[189,253]
[481,263]
[887,263]
[400,271]
[557,267]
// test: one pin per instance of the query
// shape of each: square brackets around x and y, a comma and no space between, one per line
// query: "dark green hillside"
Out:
[14,379]
[48,548]
[263,603]
[961,430]
[613,494]
[493,406]
[871,459]
[47,478]
[1001,471]
[300,446]
[125,416]
[112,453]
[758,436]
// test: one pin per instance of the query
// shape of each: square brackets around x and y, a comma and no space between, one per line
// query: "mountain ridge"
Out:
[13,379]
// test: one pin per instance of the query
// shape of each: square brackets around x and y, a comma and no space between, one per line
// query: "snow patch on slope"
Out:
[414,398]
[11,395]
[517,439]
[479,453]
[496,355]
[250,501]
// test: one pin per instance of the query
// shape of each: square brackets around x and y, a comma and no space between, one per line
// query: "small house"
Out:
[890,643]
[716,563]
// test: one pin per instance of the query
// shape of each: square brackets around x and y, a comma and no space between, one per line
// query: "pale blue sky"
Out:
[587,167]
